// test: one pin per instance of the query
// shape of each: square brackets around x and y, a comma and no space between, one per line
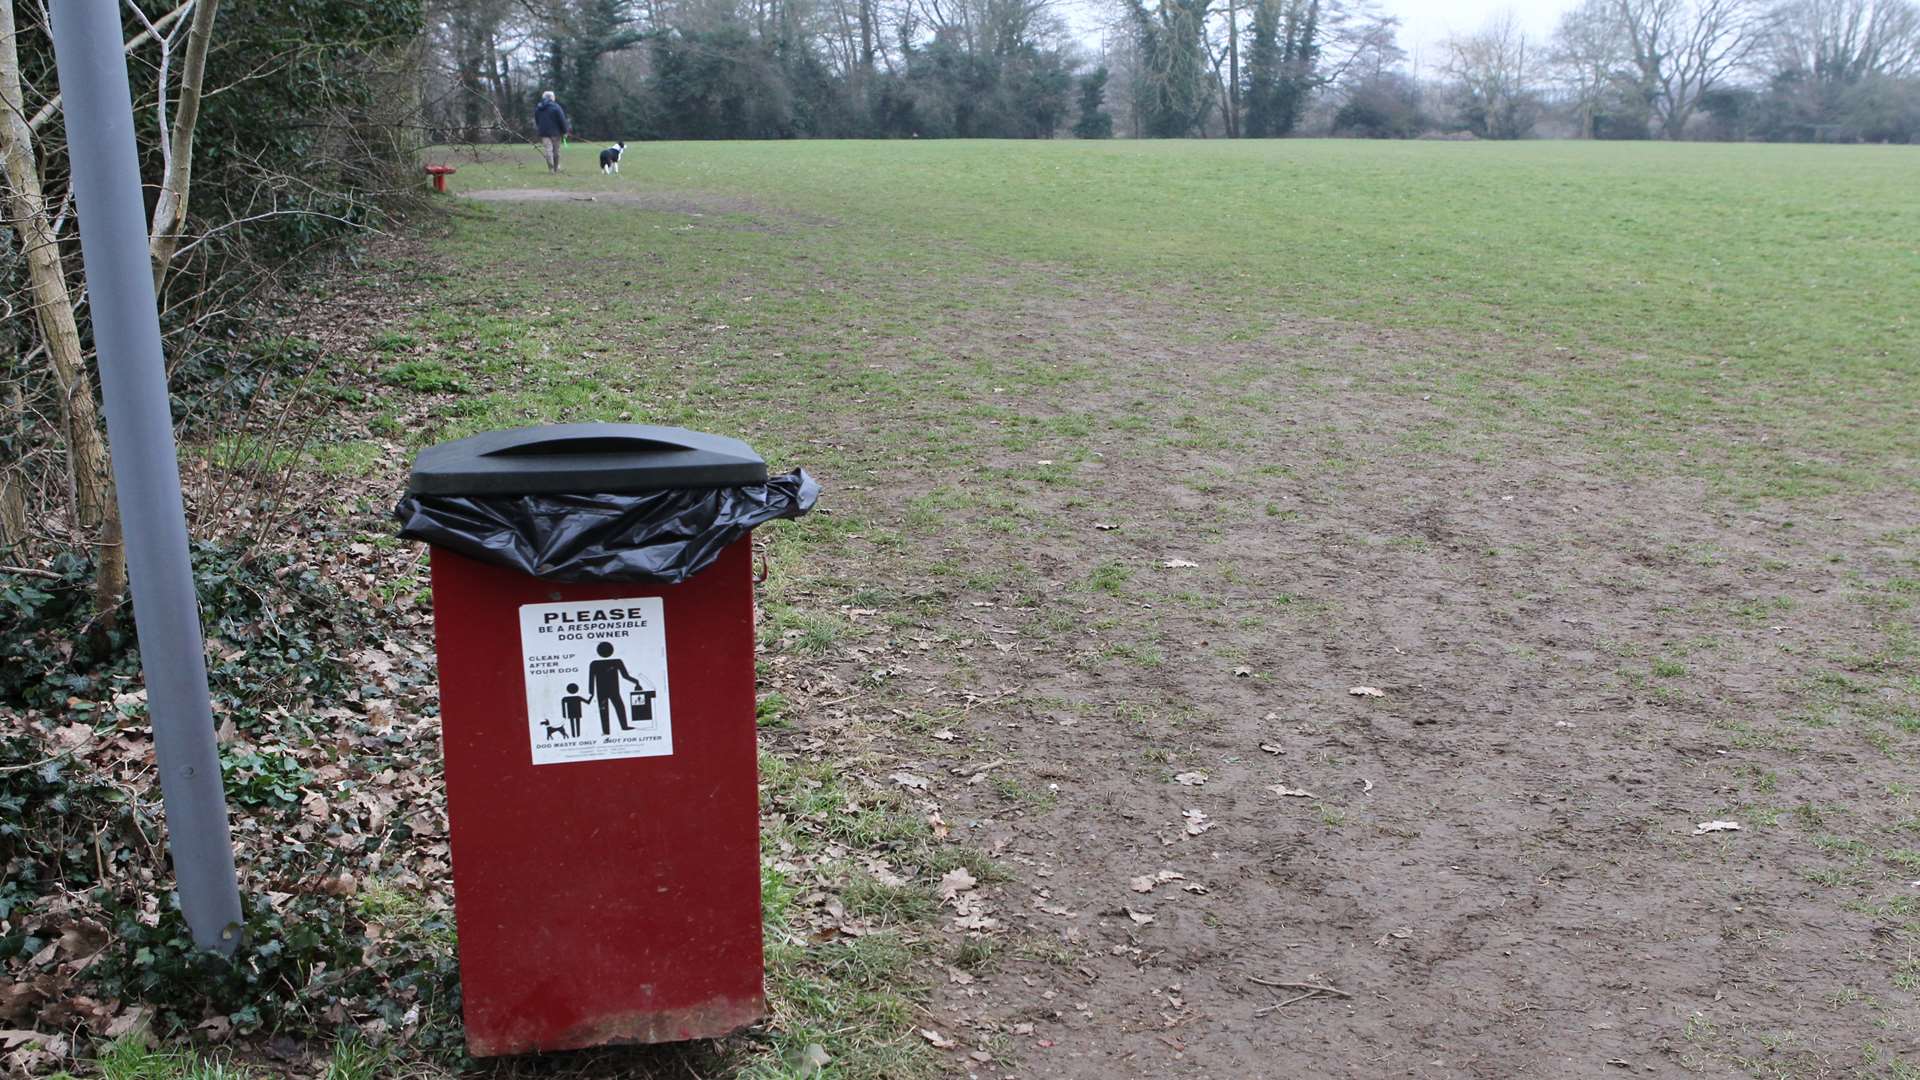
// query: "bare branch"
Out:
[47,111]
[170,209]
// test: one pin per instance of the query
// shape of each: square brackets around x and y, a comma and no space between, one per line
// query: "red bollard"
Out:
[601,770]
[440,174]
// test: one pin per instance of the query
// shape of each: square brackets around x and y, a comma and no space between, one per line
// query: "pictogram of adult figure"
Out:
[603,682]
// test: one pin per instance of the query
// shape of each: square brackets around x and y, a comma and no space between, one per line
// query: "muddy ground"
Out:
[1335,705]
[1490,869]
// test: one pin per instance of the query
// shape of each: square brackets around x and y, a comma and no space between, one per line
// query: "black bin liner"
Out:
[503,498]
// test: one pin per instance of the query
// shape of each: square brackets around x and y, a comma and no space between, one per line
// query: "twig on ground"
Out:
[34,764]
[1278,1005]
[1315,987]
[1308,989]
[974,704]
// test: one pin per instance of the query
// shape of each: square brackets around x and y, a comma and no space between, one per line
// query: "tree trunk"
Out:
[1233,69]
[53,310]
[170,209]
[866,44]
[13,493]
[13,513]
[499,79]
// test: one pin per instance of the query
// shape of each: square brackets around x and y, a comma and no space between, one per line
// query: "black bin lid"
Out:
[584,459]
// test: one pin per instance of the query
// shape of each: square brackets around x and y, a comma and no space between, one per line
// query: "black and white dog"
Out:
[610,157]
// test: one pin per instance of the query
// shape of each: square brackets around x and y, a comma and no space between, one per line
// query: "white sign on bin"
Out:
[596,675]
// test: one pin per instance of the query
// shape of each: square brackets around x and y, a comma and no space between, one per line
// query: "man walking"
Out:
[551,124]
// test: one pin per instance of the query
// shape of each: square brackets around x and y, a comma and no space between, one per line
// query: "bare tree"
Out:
[1682,49]
[1358,42]
[1841,42]
[35,225]
[1494,73]
[1586,60]
[176,144]
[39,226]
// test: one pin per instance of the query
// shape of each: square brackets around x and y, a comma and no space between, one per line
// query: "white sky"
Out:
[1424,24]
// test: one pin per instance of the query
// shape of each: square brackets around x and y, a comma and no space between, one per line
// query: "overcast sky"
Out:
[1424,24]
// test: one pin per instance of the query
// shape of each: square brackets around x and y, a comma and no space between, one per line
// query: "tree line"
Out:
[1801,70]
[752,69]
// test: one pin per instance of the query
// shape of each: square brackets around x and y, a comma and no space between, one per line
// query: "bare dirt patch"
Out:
[1495,860]
[1107,578]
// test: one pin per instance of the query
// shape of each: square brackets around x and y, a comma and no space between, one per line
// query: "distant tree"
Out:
[577,35]
[1382,106]
[1263,70]
[1171,94]
[1282,59]
[1034,87]
[1587,63]
[468,37]
[1094,122]
[1833,65]
[985,82]
[1679,50]
[1730,113]
[1844,42]
[1356,43]
[1884,109]
[1493,80]
[722,83]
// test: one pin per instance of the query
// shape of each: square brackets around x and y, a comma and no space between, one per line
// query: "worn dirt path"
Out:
[1493,863]
[1107,628]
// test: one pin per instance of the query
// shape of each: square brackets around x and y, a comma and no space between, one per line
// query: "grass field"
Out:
[1769,285]
[1597,461]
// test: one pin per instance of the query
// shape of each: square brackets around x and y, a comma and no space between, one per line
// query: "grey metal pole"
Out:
[89,52]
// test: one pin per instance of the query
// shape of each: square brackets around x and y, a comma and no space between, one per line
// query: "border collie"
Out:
[610,157]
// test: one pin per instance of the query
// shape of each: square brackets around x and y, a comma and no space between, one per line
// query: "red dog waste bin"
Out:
[600,755]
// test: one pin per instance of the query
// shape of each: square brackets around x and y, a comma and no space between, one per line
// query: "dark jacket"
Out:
[550,120]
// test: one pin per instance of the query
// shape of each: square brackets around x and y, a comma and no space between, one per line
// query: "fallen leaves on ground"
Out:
[955,882]
[1145,882]
[1197,821]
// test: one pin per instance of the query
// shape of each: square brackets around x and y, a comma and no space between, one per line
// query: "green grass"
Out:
[1768,287]
[353,458]
[134,1058]
[427,376]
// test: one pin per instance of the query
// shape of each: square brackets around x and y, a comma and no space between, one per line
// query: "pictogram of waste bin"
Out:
[593,615]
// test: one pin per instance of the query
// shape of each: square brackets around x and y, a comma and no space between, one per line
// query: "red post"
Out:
[607,883]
